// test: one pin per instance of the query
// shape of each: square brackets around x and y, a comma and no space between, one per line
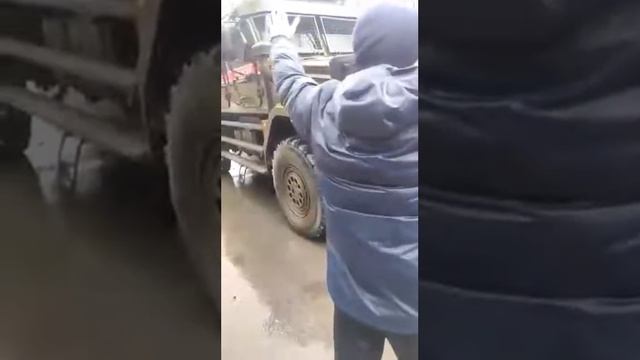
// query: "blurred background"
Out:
[228,5]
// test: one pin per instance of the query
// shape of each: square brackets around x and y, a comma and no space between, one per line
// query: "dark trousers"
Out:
[354,340]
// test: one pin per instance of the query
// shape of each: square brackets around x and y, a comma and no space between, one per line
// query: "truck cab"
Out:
[256,130]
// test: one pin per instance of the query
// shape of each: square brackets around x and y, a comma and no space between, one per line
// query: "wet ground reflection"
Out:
[275,304]
[98,273]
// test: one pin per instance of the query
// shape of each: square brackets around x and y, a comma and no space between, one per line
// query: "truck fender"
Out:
[278,128]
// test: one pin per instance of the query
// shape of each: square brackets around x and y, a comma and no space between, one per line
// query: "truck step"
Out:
[241,125]
[259,168]
[97,130]
[243,144]
[119,9]
[103,73]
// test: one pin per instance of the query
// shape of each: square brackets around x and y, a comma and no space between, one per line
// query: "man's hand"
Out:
[278,25]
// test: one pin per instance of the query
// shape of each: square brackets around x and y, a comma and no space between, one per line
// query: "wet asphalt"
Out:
[273,281]
[95,273]
[275,305]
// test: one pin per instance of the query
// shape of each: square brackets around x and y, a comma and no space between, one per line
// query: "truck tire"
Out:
[193,156]
[15,130]
[296,189]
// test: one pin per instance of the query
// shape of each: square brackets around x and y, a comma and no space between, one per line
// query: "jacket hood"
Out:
[386,33]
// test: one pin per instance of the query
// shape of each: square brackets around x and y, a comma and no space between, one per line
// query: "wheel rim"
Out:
[297,197]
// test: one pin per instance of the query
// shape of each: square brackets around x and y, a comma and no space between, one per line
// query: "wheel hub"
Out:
[298,199]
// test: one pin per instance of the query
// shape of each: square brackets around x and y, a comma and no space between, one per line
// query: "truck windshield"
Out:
[306,38]
[339,34]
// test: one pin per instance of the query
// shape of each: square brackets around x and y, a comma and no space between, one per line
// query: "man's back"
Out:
[363,133]
[365,143]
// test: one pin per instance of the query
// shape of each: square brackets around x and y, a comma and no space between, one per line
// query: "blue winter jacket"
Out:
[363,133]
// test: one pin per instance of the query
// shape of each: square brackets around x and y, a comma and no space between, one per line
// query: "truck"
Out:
[257,132]
[156,62]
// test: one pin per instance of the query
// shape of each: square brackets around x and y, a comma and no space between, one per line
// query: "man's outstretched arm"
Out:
[298,92]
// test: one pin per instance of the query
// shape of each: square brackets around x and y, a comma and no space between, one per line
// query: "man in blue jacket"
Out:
[363,133]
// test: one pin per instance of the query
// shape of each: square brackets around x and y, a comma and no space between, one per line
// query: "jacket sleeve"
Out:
[299,93]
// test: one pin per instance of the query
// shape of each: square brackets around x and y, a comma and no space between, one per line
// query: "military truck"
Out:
[156,62]
[256,130]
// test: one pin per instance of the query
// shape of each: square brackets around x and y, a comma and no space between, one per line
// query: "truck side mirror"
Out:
[341,66]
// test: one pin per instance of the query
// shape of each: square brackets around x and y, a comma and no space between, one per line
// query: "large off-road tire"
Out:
[296,189]
[193,159]
[15,130]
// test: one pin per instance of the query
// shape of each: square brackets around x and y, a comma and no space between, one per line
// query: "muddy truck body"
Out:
[155,62]
[257,132]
